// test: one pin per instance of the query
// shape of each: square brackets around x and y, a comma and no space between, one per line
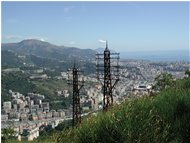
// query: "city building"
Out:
[61,113]
[45,106]
[7,105]
[23,117]
[4,117]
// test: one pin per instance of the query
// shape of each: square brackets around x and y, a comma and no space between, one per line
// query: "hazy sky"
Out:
[128,26]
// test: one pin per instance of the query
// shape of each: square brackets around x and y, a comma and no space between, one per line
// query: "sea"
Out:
[158,56]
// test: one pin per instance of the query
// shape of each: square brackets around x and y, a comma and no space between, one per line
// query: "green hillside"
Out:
[20,82]
[48,50]
[163,117]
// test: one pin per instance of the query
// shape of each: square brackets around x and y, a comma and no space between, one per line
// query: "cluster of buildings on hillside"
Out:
[137,76]
[92,99]
[31,107]
[28,114]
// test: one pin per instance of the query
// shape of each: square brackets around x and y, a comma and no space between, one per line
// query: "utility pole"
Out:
[77,83]
[107,68]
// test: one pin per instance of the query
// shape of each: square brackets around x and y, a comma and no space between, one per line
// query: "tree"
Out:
[6,134]
[163,81]
[187,72]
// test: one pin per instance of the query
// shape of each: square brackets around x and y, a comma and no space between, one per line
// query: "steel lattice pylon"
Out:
[77,85]
[108,71]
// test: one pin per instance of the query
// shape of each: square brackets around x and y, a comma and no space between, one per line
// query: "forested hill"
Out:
[48,50]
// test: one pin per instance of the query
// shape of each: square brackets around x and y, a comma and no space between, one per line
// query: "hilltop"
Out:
[48,50]
[21,60]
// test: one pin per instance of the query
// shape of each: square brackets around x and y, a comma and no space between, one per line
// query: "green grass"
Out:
[164,117]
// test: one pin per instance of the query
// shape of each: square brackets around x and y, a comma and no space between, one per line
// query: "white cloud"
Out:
[14,37]
[38,38]
[11,37]
[72,43]
[68,9]
[42,39]
[102,41]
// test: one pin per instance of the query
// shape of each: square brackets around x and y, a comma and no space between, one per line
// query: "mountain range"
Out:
[48,50]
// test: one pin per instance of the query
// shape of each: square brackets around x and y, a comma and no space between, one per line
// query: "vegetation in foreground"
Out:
[161,118]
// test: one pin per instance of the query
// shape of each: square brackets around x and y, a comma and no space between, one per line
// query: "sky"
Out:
[127,26]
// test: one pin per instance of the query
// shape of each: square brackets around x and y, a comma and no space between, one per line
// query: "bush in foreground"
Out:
[163,118]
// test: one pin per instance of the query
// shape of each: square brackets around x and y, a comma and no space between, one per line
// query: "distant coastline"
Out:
[173,55]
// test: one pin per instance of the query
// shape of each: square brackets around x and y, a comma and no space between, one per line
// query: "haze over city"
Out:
[128,26]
